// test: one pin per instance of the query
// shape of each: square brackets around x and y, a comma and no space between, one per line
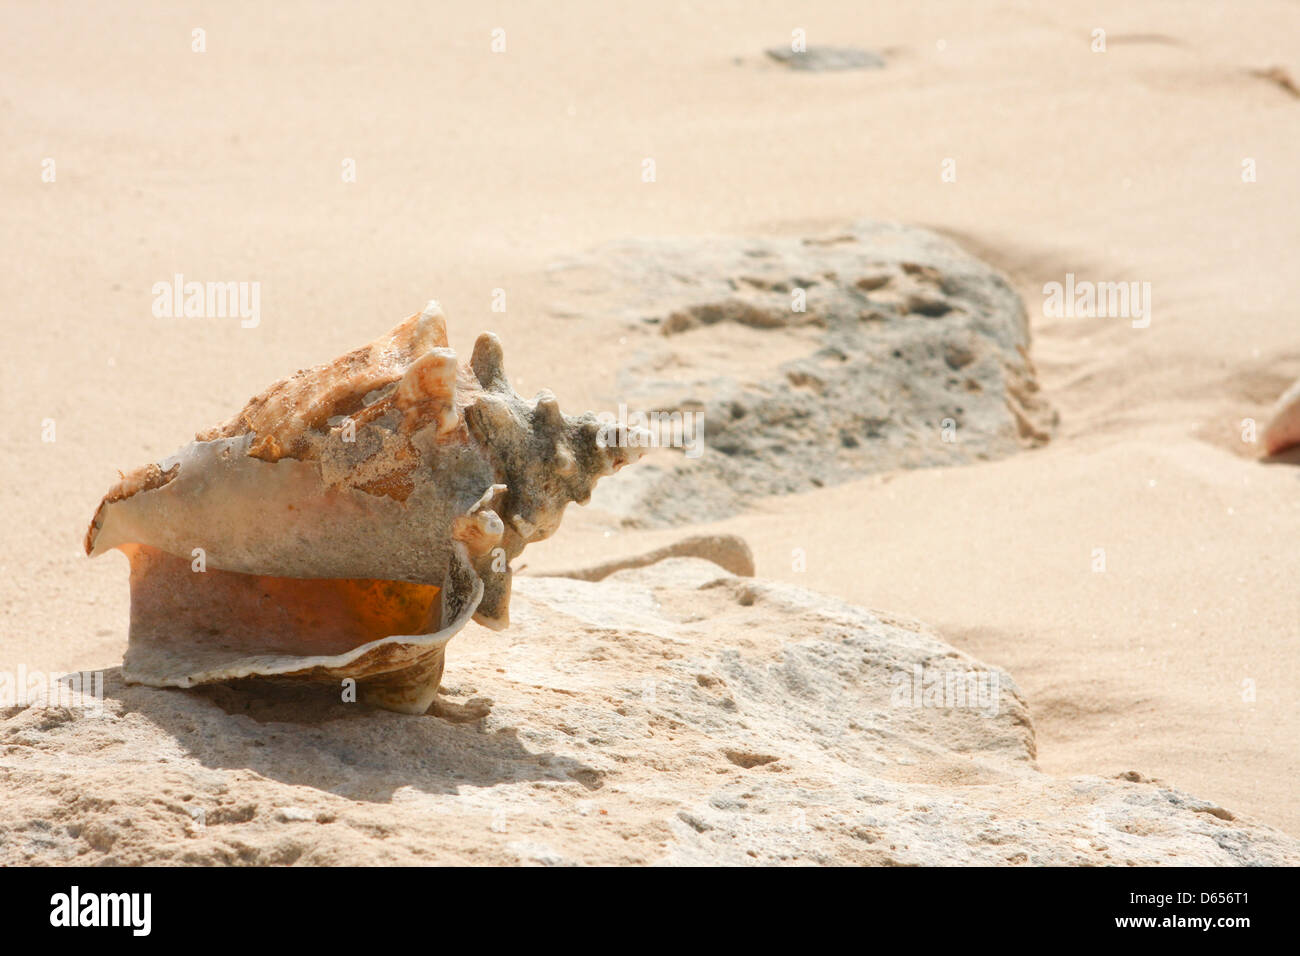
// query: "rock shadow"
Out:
[305,736]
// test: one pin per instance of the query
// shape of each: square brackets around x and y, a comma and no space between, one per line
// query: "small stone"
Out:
[822,59]
[294,815]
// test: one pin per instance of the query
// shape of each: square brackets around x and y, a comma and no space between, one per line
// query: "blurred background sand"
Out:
[474,170]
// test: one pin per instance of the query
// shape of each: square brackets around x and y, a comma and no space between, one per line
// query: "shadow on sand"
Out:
[305,736]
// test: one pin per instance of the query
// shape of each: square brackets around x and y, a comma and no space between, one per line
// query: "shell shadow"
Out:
[1288,456]
[305,736]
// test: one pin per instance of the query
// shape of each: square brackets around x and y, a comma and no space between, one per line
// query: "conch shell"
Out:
[349,521]
[1283,428]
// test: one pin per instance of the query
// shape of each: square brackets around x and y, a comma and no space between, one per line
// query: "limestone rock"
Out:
[673,713]
[813,361]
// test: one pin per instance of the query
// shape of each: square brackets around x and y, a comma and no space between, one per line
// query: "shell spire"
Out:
[542,459]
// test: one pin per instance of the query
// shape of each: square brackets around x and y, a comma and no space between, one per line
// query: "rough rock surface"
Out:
[881,347]
[668,714]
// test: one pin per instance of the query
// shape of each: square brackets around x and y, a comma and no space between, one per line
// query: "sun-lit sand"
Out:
[1177,656]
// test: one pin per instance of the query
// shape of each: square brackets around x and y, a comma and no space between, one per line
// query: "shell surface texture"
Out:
[349,520]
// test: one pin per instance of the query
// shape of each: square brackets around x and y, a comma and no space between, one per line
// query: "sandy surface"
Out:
[474,170]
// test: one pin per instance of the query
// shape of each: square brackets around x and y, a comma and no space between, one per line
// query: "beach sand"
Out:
[475,169]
